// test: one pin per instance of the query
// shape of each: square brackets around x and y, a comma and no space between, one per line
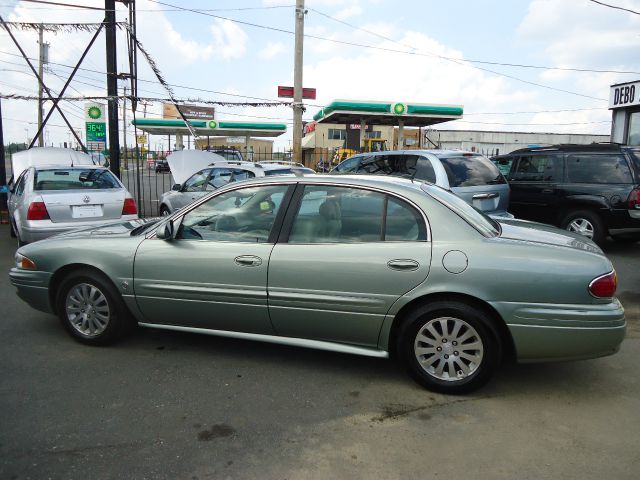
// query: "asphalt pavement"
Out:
[181,406]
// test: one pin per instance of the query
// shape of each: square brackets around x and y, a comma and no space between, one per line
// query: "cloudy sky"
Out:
[422,51]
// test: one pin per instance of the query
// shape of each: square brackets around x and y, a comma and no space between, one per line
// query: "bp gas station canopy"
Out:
[210,128]
[387,113]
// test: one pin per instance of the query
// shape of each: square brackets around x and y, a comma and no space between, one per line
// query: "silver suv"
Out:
[218,174]
[469,175]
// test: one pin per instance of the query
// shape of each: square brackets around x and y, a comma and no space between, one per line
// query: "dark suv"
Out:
[593,189]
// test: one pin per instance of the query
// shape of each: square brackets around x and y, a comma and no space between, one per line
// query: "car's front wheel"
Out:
[164,211]
[449,347]
[91,309]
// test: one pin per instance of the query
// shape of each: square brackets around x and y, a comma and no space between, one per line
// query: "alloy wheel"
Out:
[87,310]
[581,226]
[448,348]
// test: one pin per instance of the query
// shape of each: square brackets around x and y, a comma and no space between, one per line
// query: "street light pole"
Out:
[297,82]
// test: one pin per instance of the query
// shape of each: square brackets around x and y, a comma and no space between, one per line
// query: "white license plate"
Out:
[86,211]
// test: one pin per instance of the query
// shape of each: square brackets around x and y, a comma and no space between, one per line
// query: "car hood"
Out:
[41,156]
[118,229]
[185,163]
[514,229]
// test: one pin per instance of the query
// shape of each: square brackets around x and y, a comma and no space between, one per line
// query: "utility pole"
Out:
[42,60]
[3,172]
[112,86]
[124,128]
[297,83]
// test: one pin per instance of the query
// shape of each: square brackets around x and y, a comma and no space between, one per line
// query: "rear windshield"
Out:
[474,217]
[471,171]
[74,179]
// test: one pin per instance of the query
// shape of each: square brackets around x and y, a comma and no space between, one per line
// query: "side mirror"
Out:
[176,187]
[165,231]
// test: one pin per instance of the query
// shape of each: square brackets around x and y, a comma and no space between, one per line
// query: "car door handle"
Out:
[484,196]
[248,261]
[403,264]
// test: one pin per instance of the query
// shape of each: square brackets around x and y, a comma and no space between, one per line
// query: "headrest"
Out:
[330,210]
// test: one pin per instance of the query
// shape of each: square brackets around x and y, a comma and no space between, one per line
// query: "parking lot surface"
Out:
[181,406]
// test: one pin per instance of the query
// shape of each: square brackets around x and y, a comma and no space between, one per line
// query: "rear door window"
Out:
[538,168]
[471,171]
[598,168]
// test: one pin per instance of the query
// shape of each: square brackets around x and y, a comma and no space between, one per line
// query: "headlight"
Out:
[24,262]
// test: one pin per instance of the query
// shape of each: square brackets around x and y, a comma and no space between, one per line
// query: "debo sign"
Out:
[623,95]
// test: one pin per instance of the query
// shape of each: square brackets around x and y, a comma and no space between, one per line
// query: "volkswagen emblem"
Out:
[86,199]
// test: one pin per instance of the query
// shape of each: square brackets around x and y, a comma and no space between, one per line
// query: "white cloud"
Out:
[351,11]
[585,36]
[271,50]
[230,40]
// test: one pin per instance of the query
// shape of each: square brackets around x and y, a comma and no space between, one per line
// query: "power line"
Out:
[267,99]
[237,9]
[373,47]
[615,6]
[469,60]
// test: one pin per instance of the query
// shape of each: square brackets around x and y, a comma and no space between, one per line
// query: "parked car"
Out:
[354,264]
[469,175]
[593,190]
[215,175]
[162,166]
[57,190]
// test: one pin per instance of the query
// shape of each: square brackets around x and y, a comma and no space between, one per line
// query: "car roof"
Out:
[571,147]
[375,181]
[436,152]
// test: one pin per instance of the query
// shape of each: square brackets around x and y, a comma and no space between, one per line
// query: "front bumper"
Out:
[551,332]
[33,287]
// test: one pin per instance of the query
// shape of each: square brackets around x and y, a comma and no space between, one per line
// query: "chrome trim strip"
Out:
[289,181]
[613,327]
[290,341]
[598,278]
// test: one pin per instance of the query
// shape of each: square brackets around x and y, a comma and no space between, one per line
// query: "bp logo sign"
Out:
[213,124]
[94,112]
[399,108]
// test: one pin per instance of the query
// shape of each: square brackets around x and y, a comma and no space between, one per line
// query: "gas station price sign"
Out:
[96,132]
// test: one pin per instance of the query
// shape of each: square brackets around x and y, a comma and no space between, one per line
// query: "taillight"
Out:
[634,199]
[37,211]
[604,286]
[129,207]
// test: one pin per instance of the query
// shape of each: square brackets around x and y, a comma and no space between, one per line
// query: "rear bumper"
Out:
[546,332]
[32,287]
[41,229]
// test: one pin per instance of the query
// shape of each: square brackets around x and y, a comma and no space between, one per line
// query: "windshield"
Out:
[471,171]
[478,220]
[74,179]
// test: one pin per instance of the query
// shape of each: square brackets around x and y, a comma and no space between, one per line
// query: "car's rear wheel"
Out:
[586,223]
[164,211]
[91,309]
[449,347]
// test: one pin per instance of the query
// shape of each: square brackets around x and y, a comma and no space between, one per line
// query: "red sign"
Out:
[309,93]
[309,127]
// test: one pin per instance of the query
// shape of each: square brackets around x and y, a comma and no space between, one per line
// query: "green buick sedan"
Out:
[353,264]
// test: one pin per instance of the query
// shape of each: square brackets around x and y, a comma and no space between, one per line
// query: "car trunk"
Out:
[83,205]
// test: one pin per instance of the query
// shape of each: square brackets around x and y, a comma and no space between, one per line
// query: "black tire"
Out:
[12,230]
[164,211]
[587,223]
[479,354]
[78,283]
